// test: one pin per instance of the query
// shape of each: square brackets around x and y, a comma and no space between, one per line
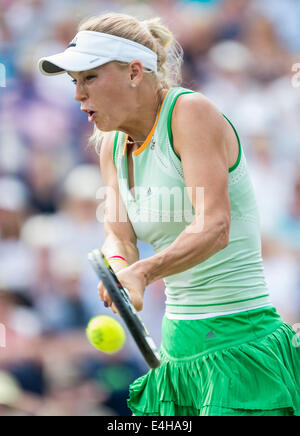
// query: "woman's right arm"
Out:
[120,238]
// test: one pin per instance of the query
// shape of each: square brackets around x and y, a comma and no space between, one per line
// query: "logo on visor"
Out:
[73,43]
[94,60]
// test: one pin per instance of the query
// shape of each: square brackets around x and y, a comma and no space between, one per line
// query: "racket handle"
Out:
[127,293]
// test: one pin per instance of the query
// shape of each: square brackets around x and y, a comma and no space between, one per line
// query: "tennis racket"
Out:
[121,297]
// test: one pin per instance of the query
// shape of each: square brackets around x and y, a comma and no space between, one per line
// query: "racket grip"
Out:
[127,293]
[133,308]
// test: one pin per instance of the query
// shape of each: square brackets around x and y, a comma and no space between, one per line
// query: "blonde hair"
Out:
[150,33]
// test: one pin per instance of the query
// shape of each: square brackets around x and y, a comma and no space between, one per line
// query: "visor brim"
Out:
[70,61]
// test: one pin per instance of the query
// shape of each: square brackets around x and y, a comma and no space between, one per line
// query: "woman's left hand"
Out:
[131,280]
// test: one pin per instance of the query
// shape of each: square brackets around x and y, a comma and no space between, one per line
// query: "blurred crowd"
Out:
[240,54]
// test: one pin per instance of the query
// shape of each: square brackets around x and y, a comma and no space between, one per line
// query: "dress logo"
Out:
[210,335]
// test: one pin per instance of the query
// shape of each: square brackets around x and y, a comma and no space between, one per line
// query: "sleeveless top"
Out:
[231,280]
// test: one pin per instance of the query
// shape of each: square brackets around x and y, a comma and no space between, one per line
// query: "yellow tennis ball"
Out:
[106,334]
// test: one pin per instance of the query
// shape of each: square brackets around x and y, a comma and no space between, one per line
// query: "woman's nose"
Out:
[80,94]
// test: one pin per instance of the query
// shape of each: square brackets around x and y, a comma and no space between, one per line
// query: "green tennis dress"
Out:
[225,350]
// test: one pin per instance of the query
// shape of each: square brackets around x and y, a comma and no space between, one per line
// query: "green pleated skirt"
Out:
[242,364]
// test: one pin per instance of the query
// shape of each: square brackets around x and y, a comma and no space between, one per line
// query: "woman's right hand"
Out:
[133,282]
[103,294]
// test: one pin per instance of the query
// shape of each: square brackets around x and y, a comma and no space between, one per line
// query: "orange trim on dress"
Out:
[149,137]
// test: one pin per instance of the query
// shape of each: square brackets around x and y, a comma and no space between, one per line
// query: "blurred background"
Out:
[240,54]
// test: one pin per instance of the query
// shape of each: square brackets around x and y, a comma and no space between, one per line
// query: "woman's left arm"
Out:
[199,139]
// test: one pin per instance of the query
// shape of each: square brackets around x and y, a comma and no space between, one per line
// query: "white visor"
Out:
[89,50]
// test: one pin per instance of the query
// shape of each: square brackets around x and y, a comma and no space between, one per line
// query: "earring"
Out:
[133,85]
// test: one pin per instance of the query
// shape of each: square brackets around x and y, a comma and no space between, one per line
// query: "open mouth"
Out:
[92,116]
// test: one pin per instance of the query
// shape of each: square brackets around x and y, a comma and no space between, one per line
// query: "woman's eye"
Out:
[74,81]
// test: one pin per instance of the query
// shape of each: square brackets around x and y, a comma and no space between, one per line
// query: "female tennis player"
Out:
[178,179]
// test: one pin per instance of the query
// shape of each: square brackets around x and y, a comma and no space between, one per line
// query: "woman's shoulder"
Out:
[189,99]
[196,107]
